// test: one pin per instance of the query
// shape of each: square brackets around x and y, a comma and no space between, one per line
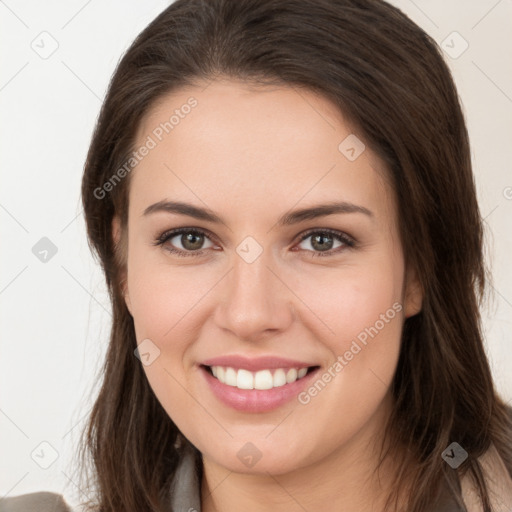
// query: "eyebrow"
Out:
[287,219]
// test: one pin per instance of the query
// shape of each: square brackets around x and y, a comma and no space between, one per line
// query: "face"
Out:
[253,281]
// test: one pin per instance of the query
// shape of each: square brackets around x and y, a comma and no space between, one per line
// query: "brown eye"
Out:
[184,241]
[322,242]
[191,241]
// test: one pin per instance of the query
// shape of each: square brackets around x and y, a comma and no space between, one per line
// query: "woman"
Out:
[281,196]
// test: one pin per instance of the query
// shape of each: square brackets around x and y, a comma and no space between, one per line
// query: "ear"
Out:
[121,253]
[413,293]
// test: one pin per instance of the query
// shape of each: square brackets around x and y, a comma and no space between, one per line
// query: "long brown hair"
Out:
[389,79]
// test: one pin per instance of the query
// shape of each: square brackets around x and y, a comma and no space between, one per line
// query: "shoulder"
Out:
[498,481]
[35,502]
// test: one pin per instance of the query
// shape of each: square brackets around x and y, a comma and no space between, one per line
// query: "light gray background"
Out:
[55,314]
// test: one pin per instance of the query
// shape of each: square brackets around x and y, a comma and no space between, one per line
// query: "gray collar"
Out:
[185,488]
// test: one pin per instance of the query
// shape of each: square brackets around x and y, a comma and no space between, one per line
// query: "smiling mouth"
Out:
[260,380]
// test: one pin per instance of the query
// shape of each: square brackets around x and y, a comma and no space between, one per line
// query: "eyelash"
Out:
[338,235]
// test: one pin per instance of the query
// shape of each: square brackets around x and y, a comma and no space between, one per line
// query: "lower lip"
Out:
[256,400]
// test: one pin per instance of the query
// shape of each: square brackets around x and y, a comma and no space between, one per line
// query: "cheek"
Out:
[162,304]
[363,309]
[361,313]
[159,301]
[160,295]
[352,298]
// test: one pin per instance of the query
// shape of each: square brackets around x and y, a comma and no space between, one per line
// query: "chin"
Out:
[260,456]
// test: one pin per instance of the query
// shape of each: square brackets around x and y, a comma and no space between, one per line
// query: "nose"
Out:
[254,301]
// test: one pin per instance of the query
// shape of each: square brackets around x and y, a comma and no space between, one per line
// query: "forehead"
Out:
[230,143]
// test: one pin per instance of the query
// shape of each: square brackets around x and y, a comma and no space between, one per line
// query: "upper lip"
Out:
[256,363]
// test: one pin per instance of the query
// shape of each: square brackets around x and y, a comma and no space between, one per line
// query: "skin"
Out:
[252,154]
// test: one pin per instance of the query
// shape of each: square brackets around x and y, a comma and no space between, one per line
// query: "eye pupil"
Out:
[320,240]
[188,239]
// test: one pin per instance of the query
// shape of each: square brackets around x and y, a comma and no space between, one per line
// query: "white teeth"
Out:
[279,378]
[244,380]
[291,375]
[262,379]
[302,372]
[230,377]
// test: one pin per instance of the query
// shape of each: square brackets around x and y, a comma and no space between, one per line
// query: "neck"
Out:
[345,480]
